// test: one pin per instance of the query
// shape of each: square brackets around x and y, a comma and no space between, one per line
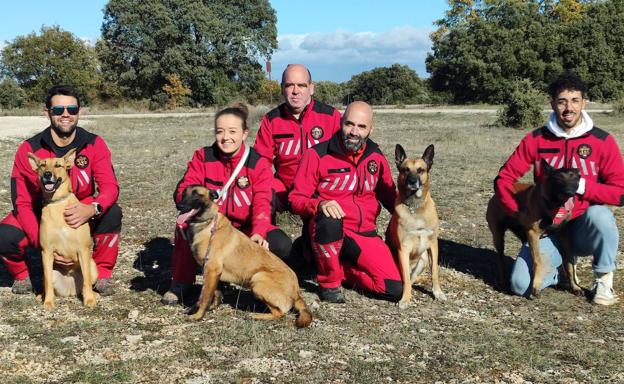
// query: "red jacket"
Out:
[595,154]
[247,202]
[284,138]
[328,173]
[92,171]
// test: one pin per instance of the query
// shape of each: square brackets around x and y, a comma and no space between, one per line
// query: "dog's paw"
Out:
[439,296]
[403,304]
[89,302]
[196,317]
[48,305]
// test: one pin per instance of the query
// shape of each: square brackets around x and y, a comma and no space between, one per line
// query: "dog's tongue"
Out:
[49,187]
[184,217]
[563,212]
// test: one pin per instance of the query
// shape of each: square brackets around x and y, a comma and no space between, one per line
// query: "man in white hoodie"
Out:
[570,139]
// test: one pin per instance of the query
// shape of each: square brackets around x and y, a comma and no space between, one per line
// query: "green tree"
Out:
[398,84]
[214,46]
[11,95]
[329,92]
[523,106]
[39,61]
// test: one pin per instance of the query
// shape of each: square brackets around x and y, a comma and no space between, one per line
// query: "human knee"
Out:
[519,284]
[394,289]
[327,229]
[601,218]
[110,221]
[279,243]
[10,238]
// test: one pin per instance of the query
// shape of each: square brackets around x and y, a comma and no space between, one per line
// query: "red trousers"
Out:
[363,261]
[105,231]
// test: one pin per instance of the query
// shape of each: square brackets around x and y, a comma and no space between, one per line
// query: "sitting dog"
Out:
[55,236]
[412,233]
[539,212]
[229,255]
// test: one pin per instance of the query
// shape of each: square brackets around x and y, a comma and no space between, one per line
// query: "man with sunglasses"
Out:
[93,182]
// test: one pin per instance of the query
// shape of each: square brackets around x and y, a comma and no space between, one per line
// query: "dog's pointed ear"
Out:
[213,194]
[399,155]
[546,167]
[428,156]
[34,161]
[69,158]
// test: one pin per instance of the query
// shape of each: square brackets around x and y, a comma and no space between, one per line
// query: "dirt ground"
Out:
[481,334]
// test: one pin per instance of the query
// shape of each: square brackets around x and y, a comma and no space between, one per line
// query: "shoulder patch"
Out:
[273,113]
[209,154]
[323,108]
[599,133]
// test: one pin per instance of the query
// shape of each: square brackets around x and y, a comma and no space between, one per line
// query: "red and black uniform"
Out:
[595,154]
[93,180]
[348,249]
[247,203]
[283,139]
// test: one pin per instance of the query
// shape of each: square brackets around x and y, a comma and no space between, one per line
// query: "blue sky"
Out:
[335,39]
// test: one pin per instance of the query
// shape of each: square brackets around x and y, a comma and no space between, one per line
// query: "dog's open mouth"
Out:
[50,186]
[186,216]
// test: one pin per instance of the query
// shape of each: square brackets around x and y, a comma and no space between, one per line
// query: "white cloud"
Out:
[404,45]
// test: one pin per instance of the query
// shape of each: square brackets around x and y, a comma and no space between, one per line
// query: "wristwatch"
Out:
[98,208]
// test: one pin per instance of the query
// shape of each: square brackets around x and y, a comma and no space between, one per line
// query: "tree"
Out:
[11,95]
[398,84]
[523,106]
[37,62]
[329,92]
[176,91]
[214,46]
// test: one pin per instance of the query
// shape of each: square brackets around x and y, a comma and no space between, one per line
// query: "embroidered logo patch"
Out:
[317,132]
[372,167]
[81,161]
[242,182]
[584,151]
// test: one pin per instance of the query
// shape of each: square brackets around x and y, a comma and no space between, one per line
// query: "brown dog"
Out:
[229,255]
[413,230]
[538,203]
[55,236]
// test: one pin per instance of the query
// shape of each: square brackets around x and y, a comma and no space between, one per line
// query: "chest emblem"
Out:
[242,182]
[584,151]
[317,132]
[372,167]
[81,161]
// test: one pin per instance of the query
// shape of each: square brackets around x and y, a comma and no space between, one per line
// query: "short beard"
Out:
[352,147]
[63,134]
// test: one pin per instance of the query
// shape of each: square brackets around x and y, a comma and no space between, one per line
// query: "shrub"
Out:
[11,95]
[523,106]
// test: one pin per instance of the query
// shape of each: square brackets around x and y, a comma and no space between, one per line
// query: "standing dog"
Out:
[413,230]
[229,255]
[539,205]
[55,236]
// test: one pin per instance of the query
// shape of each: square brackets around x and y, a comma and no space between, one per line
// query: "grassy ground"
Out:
[478,335]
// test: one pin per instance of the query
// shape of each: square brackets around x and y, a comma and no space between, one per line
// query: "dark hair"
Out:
[567,81]
[239,110]
[64,90]
[284,74]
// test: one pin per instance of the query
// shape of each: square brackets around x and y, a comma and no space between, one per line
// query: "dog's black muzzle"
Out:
[49,182]
[413,183]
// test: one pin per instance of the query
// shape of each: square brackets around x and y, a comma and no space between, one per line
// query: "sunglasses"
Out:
[58,110]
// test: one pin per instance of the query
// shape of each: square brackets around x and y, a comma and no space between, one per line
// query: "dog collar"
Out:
[59,200]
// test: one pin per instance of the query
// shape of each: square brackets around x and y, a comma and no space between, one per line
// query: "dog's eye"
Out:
[405,171]
[419,171]
[57,165]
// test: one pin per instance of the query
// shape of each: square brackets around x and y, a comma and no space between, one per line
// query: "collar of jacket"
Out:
[231,160]
[80,140]
[336,147]
[287,113]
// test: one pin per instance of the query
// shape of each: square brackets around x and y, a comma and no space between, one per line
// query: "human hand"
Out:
[62,261]
[331,208]
[256,238]
[77,214]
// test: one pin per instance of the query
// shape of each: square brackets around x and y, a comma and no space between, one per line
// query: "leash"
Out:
[213,230]
[238,168]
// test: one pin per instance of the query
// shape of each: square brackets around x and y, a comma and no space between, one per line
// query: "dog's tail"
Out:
[304,317]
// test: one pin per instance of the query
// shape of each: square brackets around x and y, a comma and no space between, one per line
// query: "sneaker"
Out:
[602,289]
[331,295]
[104,287]
[22,287]
[175,293]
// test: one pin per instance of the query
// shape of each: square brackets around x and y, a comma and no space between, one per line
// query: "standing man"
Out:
[337,187]
[570,139]
[294,126]
[93,183]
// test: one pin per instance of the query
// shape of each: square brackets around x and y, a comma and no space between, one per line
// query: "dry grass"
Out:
[478,335]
